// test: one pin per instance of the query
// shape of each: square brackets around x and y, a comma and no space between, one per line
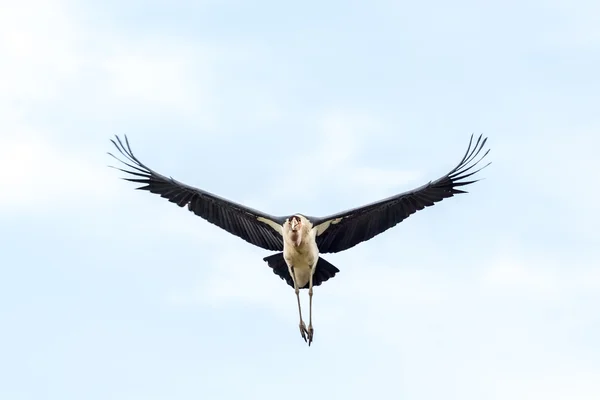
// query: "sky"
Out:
[313,107]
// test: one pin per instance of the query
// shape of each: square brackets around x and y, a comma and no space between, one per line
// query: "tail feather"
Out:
[323,271]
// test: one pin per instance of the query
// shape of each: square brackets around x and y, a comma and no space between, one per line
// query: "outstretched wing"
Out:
[344,230]
[253,226]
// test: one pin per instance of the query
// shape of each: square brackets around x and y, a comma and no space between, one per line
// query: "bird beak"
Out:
[294,223]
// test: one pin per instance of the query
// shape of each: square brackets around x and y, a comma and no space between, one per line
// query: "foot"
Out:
[303,330]
[310,332]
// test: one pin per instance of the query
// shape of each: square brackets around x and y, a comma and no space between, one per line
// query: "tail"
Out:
[323,271]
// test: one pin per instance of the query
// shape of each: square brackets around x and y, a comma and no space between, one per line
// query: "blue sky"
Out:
[111,293]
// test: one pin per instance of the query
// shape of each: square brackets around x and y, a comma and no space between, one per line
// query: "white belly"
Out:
[303,259]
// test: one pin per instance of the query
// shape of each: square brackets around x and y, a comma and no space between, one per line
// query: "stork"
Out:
[297,239]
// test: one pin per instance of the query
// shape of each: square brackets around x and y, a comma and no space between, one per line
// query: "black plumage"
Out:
[323,271]
[235,218]
[363,223]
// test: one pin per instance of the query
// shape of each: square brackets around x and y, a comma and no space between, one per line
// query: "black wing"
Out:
[253,226]
[344,230]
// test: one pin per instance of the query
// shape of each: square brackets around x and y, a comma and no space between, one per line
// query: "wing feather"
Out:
[346,229]
[251,225]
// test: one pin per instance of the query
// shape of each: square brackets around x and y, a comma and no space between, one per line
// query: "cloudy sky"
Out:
[313,107]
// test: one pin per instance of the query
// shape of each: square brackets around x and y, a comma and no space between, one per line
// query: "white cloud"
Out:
[237,277]
[515,274]
[47,53]
[169,76]
[536,275]
[564,384]
[342,134]
[39,48]
[263,110]
[152,78]
[379,182]
[38,175]
[388,296]
[242,277]
[37,42]
[44,52]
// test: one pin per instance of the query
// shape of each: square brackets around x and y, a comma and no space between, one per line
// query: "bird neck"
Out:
[296,237]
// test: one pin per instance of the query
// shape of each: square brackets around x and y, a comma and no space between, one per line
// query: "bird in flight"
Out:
[297,239]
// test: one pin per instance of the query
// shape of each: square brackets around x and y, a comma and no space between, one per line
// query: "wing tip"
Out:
[131,160]
[470,159]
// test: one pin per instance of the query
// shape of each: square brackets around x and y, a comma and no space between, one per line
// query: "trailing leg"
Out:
[310,296]
[303,330]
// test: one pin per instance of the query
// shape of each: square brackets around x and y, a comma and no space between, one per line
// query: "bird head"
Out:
[295,223]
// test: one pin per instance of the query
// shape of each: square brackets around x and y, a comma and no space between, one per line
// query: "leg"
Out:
[303,330]
[310,294]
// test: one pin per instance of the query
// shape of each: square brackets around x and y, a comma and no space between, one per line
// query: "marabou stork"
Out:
[299,239]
